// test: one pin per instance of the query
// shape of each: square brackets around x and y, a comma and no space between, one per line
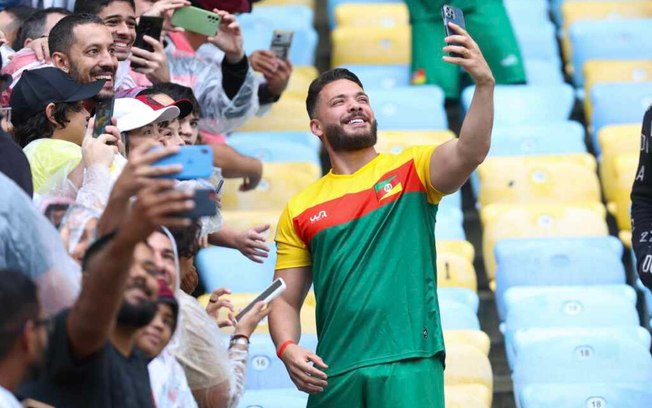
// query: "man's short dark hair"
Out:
[186,239]
[20,13]
[176,92]
[34,26]
[324,79]
[62,36]
[18,296]
[96,6]
[39,127]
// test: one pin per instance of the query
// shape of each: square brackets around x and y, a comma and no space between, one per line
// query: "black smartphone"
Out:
[103,115]
[452,15]
[205,205]
[151,26]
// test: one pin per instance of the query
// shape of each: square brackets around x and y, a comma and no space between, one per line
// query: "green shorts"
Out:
[403,384]
[486,21]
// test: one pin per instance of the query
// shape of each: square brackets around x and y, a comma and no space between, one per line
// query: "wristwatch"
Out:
[239,339]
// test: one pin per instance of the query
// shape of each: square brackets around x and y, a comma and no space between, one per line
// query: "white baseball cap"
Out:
[133,114]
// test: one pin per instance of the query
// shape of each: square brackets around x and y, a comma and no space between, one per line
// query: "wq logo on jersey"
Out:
[322,214]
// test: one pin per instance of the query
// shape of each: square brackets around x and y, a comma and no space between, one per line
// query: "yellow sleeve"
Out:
[291,251]
[421,156]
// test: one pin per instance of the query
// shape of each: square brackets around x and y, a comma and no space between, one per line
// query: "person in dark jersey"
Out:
[642,205]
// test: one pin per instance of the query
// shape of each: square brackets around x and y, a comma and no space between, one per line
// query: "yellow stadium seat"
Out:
[597,71]
[398,140]
[475,338]
[467,365]
[460,247]
[455,271]
[244,220]
[626,238]
[573,11]
[532,179]
[625,167]
[289,113]
[467,396]
[280,182]
[300,80]
[307,3]
[371,15]
[371,45]
[615,140]
[501,221]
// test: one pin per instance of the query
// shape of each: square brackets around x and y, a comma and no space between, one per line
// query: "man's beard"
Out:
[136,316]
[77,76]
[341,141]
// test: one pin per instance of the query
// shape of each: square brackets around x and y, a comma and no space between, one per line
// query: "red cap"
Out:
[184,105]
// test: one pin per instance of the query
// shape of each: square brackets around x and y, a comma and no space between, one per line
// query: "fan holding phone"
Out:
[275,66]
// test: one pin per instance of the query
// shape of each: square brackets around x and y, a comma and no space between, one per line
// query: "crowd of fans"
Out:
[96,265]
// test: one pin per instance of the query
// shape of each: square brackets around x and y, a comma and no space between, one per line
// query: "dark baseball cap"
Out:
[39,87]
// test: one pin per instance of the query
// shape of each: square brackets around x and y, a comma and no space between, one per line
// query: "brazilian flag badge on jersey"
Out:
[387,188]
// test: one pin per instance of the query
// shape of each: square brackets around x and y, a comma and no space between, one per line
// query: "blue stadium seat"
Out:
[409,108]
[285,17]
[556,261]
[522,338]
[451,201]
[457,316]
[538,139]
[304,42]
[460,295]
[608,40]
[305,138]
[543,72]
[227,268]
[578,360]
[381,76]
[633,395]
[527,12]
[274,398]
[538,43]
[449,224]
[277,151]
[618,103]
[264,369]
[528,104]
[332,4]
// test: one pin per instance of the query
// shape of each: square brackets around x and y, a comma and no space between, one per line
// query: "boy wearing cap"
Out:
[50,113]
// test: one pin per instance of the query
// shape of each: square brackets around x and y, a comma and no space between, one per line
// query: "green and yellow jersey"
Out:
[369,240]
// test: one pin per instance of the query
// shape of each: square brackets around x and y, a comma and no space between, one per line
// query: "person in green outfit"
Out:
[363,236]
[489,24]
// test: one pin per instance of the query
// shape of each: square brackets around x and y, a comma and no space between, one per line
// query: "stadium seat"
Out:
[288,114]
[615,140]
[608,108]
[467,365]
[538,43]
[556,261]
[597,395]
[244,220]
[280,182]
[461,295]
[573,361]
[300,79]
[452,200]
[273,151]
[531,12]
[598,71]
[371,15]
[306,139]
[285,17]
[625,168]
[539,179]
[467,396]
[607,40]
[543,72]
[502,221]
[458,247]
[395,141]
[455,271]
[528,104]
[449,224]
[457,316]
[381,76]
[537,139]
[371,45]
[307,3]
[522,338]
[409,108]
[475,338]
[332,5]
[220,267]
[274,398]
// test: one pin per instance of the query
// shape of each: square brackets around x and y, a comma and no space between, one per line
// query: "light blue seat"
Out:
[304,138]
[522,338]
[274,398]
[543,72]
[451,201]
[277,151]
[227,268]
[528,104]
[617,103]
[538,139]
[571,360]
[286,17]
[409,108]
[460,295]
[556,261]
[608,40]
[538,43]
[449,224]
[381,76]
[632,395]
[457,316]
[527,12]
[332,4]
[304,41]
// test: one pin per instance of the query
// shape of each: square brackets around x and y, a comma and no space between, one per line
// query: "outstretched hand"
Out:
[470,57]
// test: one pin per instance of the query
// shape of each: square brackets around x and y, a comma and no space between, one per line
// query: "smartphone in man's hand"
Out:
[151,26]
[103,115]
[281,43]
[452,15]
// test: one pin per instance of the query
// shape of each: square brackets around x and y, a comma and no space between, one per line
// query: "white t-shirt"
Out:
[7,399]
